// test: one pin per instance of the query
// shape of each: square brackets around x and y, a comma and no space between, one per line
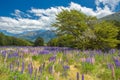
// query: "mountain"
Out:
[114,16]
[7,33]
[32,35]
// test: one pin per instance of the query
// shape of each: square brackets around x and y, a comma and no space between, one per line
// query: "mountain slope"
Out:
[115,16]
[32,35]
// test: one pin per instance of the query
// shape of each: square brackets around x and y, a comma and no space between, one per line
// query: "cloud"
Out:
[110,3]
[35,19]
[19,14]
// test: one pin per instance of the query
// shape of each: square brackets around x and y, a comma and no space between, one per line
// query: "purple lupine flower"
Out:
[30,69]
[11,67]
[82,76]
[4,53]
[23,67]
[116,61]
[44,52]
[53,58]
[66,67]
[78,76]
[88,60]
[13,55]
[109,66]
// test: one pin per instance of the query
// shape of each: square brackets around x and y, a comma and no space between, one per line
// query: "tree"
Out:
[39,42]
[62,41]
[2,40]
[106,35]
[87,31]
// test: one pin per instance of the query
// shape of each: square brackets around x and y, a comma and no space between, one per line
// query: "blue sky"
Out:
[8,6]
[17,16]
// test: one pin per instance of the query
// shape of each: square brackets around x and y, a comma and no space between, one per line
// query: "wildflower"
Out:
[66,67]
[82,59]
[109,66]
[30,69]
[44,52]
[23,66]
[82,76]
[11,67]
[53,58]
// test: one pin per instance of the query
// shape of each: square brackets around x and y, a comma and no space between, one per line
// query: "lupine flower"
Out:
[44,52]
[53,58]
[82,59]
[13,55]
[66,67]
[88,60]
[109,66]
[6,56]
[4,53]
[116,61]
[82,76]
[23,66]
[30,69]
[11,67]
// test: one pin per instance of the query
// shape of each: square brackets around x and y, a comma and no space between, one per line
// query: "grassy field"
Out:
[58,63]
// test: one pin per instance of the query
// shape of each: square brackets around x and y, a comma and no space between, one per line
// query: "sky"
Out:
[17,16]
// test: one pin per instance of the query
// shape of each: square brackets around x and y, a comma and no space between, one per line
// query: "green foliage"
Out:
[39,42]
[117,73]
[62,41]
[12,41]
[105,75]
[85,31]
[87,67]
[106,34]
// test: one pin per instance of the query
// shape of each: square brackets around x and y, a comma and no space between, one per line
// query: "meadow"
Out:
[58,63]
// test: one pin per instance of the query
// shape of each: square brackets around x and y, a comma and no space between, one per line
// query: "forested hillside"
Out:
[13,41]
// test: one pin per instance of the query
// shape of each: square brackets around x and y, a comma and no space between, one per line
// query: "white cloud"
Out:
[110,3]
[23,21]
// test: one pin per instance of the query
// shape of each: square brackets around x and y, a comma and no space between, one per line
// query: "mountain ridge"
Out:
[114,16]
[32,35]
